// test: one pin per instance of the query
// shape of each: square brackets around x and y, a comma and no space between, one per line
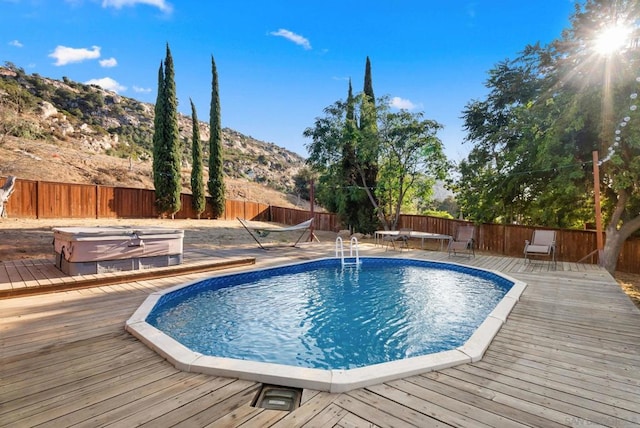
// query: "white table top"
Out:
[414,234]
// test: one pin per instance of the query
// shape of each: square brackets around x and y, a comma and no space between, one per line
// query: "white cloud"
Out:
[140,90]
[107,83]
[110,62]
[401,104]
[119,4]
[65,55]
[16,43]
[295,38]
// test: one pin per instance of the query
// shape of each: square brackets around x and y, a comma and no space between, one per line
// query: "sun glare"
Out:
[612,39]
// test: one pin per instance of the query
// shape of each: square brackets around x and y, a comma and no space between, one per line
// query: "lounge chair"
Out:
[259,230]
[402,238]
[463,241]
[542,244]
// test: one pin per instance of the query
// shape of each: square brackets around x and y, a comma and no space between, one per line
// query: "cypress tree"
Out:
[173,135]
[198,200]
[167,152]
[348,194]
[369,127]
[216,177]
[158,134]
[368,83]
[362,211]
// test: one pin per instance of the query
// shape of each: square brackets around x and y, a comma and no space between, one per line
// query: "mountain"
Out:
[66,131]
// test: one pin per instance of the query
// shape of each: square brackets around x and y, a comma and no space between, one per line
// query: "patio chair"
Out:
[402,238]
[542,244]
[463,241]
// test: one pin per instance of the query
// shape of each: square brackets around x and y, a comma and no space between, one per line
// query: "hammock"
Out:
[264,231]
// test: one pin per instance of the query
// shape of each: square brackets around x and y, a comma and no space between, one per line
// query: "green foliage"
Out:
[448,205]
[14,101]
[546,112]
[302,180]
[355,172]
[197,171]
[439,214]
[14,96]
[519,169]
[409,156]
[216,177]
[167,151]
[141,136]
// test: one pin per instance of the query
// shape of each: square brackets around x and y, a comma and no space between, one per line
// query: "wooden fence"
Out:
[41,199]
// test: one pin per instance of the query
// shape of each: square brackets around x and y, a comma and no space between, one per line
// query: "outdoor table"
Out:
[379,235]
[427,235]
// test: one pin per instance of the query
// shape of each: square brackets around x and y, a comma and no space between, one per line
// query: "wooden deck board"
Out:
[569,355]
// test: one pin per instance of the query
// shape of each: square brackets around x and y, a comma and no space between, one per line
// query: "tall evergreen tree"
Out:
[216,176]
[198,201]
[158,132]
[349,195]
[362,209]
[368,82]
[167,154]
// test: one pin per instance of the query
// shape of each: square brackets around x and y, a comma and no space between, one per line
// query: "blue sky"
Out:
[280,63]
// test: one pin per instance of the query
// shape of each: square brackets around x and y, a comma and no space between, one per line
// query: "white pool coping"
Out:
[336,381]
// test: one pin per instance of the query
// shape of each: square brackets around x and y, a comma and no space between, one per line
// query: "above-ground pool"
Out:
[325,326]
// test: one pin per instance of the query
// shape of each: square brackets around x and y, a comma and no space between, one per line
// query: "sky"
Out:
[280,63]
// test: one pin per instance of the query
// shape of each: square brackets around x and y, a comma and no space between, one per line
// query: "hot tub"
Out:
[91,250]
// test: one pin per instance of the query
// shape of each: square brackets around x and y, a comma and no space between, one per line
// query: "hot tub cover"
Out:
[81,244]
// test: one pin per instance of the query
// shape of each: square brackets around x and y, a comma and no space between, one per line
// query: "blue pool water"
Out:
[319,315]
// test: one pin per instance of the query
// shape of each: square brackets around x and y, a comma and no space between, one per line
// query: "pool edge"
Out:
[334,381]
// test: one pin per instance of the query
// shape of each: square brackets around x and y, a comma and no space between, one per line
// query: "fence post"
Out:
[37,199]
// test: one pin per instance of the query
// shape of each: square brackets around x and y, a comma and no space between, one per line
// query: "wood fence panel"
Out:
[492,238]
[289,216]
[256,211]
[186,208]
[134,203]
[428,224]
[264,211]
[236,209]
[87,195]
[629,259]
[513,239]
[574,245]
[49,199]
[66,200]
[326,221]
[106,202]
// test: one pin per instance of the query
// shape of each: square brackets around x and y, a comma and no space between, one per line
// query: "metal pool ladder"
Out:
[353,248]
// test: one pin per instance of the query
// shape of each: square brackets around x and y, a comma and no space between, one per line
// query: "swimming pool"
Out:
[320,326]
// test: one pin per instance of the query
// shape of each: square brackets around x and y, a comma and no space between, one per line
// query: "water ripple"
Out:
[333,319]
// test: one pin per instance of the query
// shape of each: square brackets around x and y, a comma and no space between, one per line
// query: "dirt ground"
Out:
[33,239]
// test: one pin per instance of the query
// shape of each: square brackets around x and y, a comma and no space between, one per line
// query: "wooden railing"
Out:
[42,199]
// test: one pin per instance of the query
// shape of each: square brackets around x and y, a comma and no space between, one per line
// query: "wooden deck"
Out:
[569,355]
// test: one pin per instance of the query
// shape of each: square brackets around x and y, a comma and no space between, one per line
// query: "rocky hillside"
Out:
[67,131]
